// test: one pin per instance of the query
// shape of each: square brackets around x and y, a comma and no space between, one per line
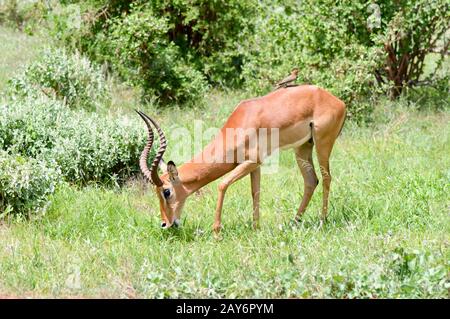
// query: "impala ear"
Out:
[173,172]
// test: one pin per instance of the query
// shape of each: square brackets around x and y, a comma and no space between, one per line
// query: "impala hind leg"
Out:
[237,173]
[303,155]
[326,129]
[323,149]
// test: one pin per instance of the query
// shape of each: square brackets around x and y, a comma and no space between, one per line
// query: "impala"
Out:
[303,116]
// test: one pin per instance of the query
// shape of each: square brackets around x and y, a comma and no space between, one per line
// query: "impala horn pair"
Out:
[152,173]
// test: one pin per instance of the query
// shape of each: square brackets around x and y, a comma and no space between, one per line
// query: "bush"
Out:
[415,29]
[25,183]
[174,49]
[342,46]
[283,39]
[147,59]
[70,78]
[86,146]
[170,49]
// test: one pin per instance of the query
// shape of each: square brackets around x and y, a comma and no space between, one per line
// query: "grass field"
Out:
[388,232]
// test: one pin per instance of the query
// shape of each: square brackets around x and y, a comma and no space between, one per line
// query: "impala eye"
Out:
[166,193]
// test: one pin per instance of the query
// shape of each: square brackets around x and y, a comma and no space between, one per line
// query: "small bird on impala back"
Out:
[291,78]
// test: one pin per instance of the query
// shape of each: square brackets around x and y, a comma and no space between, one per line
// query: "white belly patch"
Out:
[297,143]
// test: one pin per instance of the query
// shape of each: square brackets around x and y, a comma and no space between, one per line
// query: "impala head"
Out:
[168,187]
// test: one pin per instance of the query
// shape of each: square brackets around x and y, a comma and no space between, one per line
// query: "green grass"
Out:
[387,233]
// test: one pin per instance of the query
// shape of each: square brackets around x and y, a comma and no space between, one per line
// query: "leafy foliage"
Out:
[413,273]
[170,49]
[70,78]
[175,50]
[345,47]
[413,32]
[25,183]
[146,58]
[86,146]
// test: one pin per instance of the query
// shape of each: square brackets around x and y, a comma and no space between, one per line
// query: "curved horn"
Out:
[143,159]
[162,148]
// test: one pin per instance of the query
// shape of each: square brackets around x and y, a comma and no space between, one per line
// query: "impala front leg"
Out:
[237,173]
[255,177]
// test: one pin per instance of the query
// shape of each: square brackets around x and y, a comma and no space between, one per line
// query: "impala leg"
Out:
[323,156]
[255,177]
[237,173]
[303,155]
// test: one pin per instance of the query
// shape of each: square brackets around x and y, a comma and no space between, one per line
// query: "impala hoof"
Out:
[217,228]
[217,235]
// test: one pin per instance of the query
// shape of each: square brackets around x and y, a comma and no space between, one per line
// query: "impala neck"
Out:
[196,175]
[199,171]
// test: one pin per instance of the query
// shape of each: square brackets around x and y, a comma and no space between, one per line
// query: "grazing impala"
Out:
[303,116]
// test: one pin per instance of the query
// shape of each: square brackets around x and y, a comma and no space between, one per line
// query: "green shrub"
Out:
[70,78]
[25,183]
[147,59]
[392,38]
[343,46]
[170,49]
[86,146]
[416,28]
[286,36]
